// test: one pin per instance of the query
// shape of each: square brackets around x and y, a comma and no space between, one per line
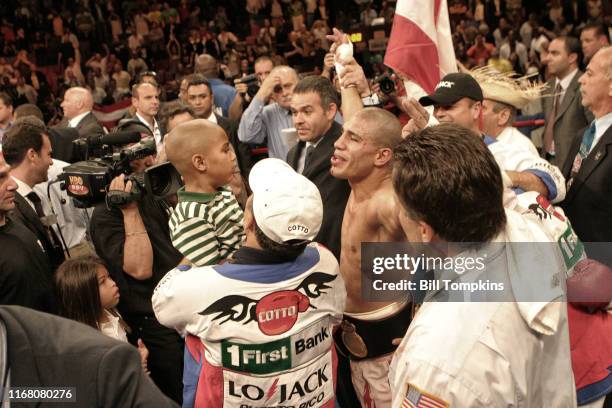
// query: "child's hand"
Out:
[144,355]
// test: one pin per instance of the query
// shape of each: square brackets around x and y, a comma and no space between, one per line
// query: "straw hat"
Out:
[507,87]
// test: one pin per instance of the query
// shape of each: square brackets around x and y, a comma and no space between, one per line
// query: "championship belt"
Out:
[362,339]
[353,341]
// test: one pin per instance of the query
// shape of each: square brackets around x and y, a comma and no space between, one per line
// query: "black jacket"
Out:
[588,203]
[25,214]
[50,351]
[334,192]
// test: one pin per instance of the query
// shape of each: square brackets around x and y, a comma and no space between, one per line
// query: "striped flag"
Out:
[420,46]
[109,115]
[415,398]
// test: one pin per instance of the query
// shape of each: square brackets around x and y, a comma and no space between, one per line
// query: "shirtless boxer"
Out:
[363,156]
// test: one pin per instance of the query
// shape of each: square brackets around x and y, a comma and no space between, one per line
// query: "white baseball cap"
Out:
[286,205]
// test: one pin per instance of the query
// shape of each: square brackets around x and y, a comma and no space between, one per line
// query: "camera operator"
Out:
[263,67]
[134,242]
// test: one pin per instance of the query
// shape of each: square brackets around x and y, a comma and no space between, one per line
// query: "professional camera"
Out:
[87,181]
[252,82]
[387,85]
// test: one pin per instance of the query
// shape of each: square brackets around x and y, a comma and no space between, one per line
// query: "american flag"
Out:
[416,399]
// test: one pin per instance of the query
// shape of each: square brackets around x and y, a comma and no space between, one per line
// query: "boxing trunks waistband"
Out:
[364,339]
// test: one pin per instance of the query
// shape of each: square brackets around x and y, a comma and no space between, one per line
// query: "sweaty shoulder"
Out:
[385,207]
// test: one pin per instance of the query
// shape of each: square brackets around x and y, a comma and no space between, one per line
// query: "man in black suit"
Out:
[49,351]
[563,110]
[588,202]
[314,106]
[25,272]
[27,149]
[77,106]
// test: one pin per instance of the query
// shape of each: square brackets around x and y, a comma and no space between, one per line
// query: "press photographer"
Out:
[134,242]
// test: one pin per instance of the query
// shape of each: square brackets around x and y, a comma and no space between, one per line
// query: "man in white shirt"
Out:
[503,97]
[562,103]
[145,99]
[486,353]
[77,106]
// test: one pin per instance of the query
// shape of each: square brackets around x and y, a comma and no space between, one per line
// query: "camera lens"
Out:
[387,85]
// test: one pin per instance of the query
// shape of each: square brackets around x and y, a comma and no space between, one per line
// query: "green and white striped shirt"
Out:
[206,228]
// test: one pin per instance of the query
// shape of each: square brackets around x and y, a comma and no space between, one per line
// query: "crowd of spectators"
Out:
[104,45]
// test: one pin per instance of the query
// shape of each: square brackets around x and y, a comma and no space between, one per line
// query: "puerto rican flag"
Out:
[420,46]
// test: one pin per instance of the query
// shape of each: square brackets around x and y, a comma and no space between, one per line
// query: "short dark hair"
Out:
[172,109]
[198,79]
[6,99]
[572,45]
[600,29]
[77,289]
[28,109]
[322,87]
[445,176]
[25,134]
[287,251]
[263,58]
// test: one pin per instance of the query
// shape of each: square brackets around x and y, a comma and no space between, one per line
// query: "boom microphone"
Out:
[117,138]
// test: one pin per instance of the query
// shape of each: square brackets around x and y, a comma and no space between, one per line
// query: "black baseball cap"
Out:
[452,88]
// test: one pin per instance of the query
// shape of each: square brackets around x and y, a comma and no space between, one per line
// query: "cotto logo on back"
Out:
[275,313]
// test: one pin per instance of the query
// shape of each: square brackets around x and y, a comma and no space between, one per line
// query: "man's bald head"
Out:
[382,127]
[191,139]
[206,65]
[76,101]
[284,70]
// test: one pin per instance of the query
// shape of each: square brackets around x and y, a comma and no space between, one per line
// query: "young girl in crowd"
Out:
[87,294]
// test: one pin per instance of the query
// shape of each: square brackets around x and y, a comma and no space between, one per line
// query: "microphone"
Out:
[122,137]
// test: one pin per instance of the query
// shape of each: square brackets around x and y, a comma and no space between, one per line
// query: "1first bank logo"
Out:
[275,313]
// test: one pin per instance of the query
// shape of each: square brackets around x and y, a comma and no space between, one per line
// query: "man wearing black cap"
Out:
[458,99]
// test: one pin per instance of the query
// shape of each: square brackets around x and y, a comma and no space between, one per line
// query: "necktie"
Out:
[35,199]
[308,158]
[583,152]
[549,144]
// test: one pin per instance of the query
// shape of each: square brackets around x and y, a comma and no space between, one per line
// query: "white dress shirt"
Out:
[72,221]
[302,159]
[155,130]
[565,83]
[601,126]
[74,122]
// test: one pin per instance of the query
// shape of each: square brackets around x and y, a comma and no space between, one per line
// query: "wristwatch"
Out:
[371,100]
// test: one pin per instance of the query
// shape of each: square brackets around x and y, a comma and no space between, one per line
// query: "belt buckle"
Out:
[352,340]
